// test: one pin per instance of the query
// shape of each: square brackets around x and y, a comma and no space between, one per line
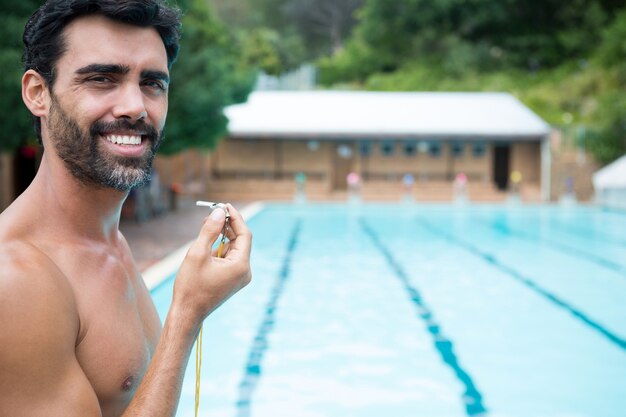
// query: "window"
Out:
[387,147]
[365,148]
[409,148]
[479,149]
[457,148]
[313,145]
[434,149]
[344,151]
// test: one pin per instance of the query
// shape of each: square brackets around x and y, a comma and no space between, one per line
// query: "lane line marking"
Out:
[529,283]
[472,398]
[253,368]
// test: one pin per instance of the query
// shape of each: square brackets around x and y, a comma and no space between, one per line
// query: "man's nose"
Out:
[130,104]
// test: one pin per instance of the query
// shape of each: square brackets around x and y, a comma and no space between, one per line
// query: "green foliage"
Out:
[608,141]
[474,35]
[612,51]
[288,33]
[269,13]
[15,120]
[260,49]
[609,135]
[354,63]
[208,76]
[267,50]
[323,24]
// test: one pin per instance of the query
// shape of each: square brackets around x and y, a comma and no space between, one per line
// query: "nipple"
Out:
[128,383]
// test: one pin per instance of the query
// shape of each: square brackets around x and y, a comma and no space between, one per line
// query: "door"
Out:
[501,157]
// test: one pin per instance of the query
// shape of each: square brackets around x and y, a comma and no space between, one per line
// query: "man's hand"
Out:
[205,281]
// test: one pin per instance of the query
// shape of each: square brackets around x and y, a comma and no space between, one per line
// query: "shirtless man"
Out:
[79,334]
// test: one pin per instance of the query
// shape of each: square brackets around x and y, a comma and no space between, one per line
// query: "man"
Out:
[79,335]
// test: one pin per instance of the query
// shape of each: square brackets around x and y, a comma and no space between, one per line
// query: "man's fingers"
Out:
[241,238]
[211,228]
[225,250]
[230,234]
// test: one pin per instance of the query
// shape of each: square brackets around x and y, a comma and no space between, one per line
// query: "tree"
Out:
[288,32]
[208,76]
[266,49]
[481,35]
[608,139]
[15,120]
[237,14]
[323,23]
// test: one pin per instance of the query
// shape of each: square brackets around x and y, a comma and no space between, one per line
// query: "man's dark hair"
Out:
[44,43]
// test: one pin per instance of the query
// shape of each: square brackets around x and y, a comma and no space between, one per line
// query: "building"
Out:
[382,136]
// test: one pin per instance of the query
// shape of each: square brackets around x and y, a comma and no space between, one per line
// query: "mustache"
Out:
[139,128]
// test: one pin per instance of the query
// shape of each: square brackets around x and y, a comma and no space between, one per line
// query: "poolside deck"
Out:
[371,191]
[157,237]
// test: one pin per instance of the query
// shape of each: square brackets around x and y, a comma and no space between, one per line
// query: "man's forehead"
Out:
[98,37]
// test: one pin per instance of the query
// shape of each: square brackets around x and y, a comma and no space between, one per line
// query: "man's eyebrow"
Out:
[103,69]
[155,75]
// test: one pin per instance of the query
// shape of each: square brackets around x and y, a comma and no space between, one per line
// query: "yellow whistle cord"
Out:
[198,367]
[199,338]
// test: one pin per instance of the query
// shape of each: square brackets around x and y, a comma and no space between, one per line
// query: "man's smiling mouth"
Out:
[124,139]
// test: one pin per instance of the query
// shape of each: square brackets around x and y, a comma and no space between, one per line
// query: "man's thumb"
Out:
[212,227]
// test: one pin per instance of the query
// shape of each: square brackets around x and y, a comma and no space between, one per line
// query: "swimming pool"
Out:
[429,310]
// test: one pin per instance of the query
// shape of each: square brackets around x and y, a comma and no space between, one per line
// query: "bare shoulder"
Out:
[40,324]
[36,303]
[33,290]
[29,271]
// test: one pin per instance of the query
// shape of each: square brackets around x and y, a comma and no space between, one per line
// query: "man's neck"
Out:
[78,209]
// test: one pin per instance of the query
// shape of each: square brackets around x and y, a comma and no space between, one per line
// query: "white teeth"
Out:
[124,139]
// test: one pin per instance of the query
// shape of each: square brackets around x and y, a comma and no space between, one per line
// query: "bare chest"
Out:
[115,355]
[119,329]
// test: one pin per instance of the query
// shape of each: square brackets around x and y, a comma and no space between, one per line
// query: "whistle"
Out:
[212,206]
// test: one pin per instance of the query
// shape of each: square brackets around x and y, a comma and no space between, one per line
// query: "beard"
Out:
[89,163]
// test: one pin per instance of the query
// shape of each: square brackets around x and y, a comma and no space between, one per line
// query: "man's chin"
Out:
[120,175]
[125,179]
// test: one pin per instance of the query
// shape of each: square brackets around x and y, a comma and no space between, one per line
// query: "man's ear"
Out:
[35,93]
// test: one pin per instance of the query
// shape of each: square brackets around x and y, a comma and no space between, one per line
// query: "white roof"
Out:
[611,176]
[350,114]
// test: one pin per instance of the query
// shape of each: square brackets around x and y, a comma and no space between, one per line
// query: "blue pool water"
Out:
[392,310]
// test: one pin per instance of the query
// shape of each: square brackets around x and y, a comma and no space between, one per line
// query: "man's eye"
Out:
[100,79]
[157,85]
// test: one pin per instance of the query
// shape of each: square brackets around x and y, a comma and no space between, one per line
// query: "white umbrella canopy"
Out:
[611,176]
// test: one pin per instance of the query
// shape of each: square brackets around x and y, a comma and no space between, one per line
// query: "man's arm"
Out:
[39,372]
